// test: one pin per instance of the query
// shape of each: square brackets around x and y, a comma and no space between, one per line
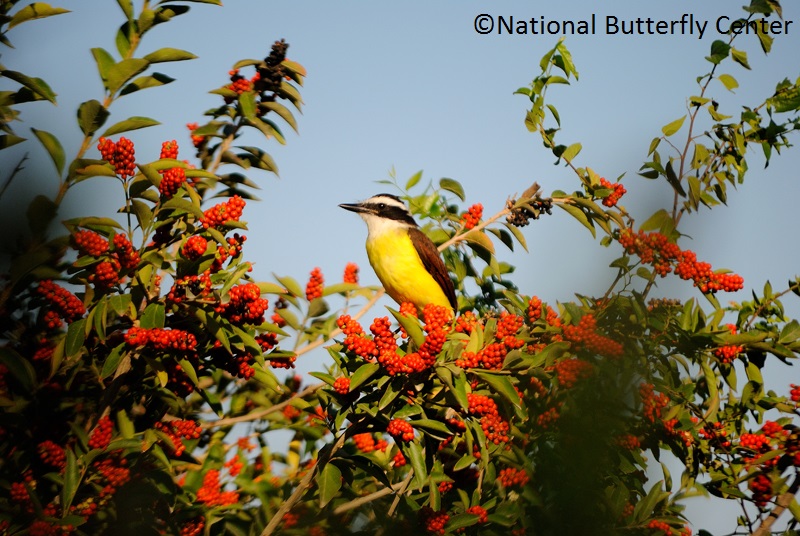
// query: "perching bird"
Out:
[404,259]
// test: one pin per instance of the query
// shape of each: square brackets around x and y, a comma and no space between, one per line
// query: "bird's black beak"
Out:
[358,208]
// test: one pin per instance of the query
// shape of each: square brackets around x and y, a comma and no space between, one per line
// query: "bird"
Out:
[405,260]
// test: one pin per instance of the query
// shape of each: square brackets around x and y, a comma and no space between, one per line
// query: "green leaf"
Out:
[53,147]
[146,82]
[362,374]
[7,140]
[656,221]
[579,215]
[571,152]
[91,116]
[132,123]
[673,179]
[415,178]
[127,8]
[153,316]
[719,51]
[40,213]
[282,111]
[36,10]
[417,459]
[120,73]
[169,54]
[728,81]
[329,482]
[71,479]
[104,62]
[247,104]
[76,336]
[502,386]
[452,186]
[112,361]
[740,57]
[785,99]
[671,128]
[36,85]
[19,367]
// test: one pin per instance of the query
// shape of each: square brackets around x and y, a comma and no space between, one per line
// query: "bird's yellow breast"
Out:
[400,270]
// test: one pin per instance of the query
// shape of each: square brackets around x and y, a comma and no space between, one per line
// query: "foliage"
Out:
[137,378]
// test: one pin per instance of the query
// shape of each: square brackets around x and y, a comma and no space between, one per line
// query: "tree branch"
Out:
[783,502]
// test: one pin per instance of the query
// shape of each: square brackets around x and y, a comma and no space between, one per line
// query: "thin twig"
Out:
[304,484]
[261,413]
[355,503]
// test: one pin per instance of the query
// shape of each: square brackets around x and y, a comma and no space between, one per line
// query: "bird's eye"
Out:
[381,206]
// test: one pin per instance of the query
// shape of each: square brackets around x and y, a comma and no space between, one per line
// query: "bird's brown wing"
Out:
[433,263]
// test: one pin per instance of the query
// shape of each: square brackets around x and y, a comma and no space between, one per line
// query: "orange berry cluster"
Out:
[480,511]
[240,84]
[161,339]
[114,469]
[245,305]
[671,426]
[193,527]
[171,180]
[510,477]
[494,426]
[123,251]
[629,442]
[435,318]
[211,492]
[399,460]
[570,371]
[584,335]
[120,155]
[667,529]
[761,486]
[89,243]
[714,433]
[729,352]
[472,216]
[617,191]
[356,340]
[106,274]
[434,521]
[197,141]
[178,430]
[795,393]
[194,247]
[63,303]
[490,357]
[655,249]
[102,433]
[316,283]
[652,404]
[366,443]
[342,385]
[350,273]
[386,347]
[234,466]
[401,430]
[546,418]
[233,249]
[466,323]
[52,454]
[199,286]
[219,214]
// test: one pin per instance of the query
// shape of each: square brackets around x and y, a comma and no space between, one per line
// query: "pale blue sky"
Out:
[412,86]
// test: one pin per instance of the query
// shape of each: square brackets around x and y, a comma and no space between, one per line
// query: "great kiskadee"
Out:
[404,259]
